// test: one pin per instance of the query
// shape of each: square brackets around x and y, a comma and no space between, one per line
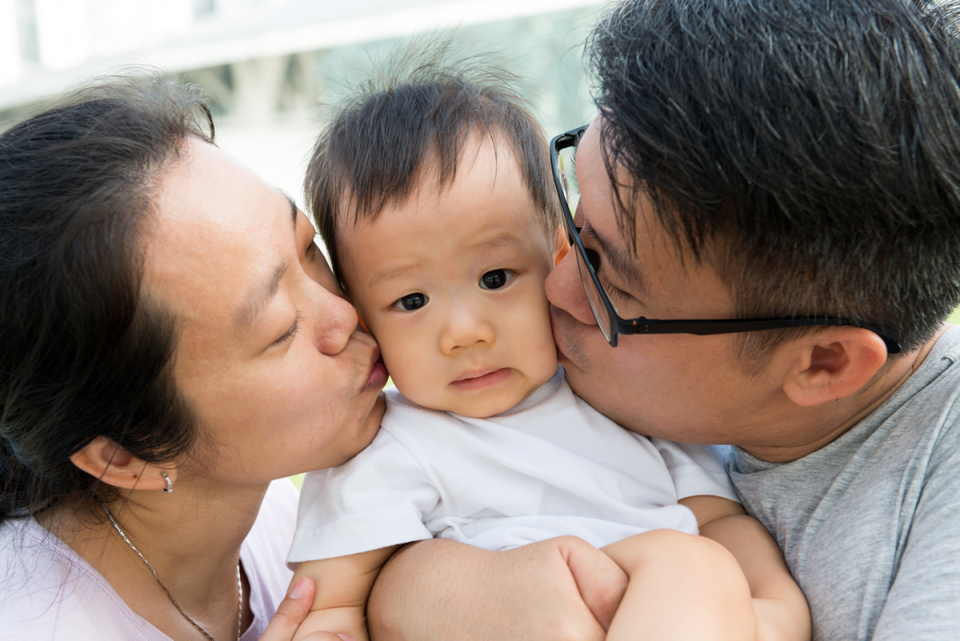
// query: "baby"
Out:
[435,199]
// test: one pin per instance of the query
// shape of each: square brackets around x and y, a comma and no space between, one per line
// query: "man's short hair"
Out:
[401,131]
[808,150]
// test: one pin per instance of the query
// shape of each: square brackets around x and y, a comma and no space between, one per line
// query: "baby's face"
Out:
[451,285]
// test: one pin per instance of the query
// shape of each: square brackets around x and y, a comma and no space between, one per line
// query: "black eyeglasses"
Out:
[562,159]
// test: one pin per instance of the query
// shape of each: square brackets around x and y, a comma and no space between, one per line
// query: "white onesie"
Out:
[551,466]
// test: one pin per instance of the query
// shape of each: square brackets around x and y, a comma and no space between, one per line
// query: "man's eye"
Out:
[495,279]
[594,259]
[411,302]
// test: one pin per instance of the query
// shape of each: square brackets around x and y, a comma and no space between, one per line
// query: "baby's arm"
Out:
[781,609]
[343,584]
[733,587]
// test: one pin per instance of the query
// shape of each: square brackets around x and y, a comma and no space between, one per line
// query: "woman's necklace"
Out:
[116,526]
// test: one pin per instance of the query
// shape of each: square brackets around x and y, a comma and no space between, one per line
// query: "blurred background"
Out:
[271,67]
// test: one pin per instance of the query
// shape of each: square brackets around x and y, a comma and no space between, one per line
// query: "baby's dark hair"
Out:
[385,139]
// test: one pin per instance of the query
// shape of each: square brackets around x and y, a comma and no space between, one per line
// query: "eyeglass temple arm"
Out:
[737,325]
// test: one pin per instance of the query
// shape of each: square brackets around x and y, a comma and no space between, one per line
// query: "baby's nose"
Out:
[465,327]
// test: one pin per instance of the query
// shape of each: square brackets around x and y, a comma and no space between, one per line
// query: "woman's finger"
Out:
[291,612]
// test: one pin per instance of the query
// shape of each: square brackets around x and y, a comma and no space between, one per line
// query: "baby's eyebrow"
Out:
[388,274]
[491,242]
[500,240]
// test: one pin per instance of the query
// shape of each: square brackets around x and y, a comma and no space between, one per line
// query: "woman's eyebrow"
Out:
[293,208]
[257,301]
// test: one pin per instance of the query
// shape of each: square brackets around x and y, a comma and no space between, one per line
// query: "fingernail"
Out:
[346,637]
[299,588]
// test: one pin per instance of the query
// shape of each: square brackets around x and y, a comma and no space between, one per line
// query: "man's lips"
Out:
[479,379]
[567,332]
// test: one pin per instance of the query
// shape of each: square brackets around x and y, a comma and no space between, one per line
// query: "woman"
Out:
[173,341]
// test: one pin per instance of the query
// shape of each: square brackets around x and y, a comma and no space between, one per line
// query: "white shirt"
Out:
[550,466]
[49,592]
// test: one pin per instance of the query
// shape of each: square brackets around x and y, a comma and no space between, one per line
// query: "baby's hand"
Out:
[343,585]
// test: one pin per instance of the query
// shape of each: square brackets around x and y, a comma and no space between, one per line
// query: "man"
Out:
[778,160]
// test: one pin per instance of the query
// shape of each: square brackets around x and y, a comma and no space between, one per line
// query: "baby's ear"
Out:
[356,308]
[561,246]
[360,320]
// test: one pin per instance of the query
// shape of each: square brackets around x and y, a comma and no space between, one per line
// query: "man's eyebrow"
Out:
[619,260]
[255,305]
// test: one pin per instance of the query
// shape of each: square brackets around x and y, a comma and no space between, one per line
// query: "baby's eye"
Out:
[411,302]
[495,279]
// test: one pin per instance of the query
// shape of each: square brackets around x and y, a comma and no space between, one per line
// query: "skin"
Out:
[418,272]
[271,401]
[679,387]
[457,302]
[299,364]
[692,388]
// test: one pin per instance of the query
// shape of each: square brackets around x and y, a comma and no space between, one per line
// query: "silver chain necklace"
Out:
[116,526]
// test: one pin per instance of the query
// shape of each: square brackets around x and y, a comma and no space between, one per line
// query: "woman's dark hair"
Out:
[811,147]
[413,119]
[85,352]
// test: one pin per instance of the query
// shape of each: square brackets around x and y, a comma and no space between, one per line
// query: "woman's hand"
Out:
[291,613]
[558,589]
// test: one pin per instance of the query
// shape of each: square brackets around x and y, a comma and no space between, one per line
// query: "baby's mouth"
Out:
[478,379]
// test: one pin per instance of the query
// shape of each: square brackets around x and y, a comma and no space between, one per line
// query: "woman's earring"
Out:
[169,487]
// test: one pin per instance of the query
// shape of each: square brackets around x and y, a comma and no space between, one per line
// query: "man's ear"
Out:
[102,458]
[833,363]
[560,246]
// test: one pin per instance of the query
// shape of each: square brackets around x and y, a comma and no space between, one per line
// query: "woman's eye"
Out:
[495,279]
[411,302]
[290,333]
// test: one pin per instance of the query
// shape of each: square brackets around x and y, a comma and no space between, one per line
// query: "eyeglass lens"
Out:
[566,161]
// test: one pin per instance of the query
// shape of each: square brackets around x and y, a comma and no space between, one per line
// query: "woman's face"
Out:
[269,354]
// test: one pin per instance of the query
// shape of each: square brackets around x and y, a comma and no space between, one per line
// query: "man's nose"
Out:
[565,289]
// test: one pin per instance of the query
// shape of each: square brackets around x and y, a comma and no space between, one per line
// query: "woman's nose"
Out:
[336,321]
[465,326]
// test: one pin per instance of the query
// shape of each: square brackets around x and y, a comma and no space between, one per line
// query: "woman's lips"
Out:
[378,375]
[480,380]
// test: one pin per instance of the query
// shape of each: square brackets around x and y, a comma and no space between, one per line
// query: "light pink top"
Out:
[48,592]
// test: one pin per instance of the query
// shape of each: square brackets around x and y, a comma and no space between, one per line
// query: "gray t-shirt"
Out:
[870,524]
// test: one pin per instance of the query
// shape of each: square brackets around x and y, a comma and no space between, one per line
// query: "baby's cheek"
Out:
[408,372]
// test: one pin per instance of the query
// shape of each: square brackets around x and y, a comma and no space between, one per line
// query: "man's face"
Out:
[675,386]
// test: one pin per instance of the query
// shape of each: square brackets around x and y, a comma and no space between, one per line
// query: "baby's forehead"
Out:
[516,232]
[407,240]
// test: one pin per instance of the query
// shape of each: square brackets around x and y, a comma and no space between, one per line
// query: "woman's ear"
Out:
[102,458]
[833,363]
[561,246]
